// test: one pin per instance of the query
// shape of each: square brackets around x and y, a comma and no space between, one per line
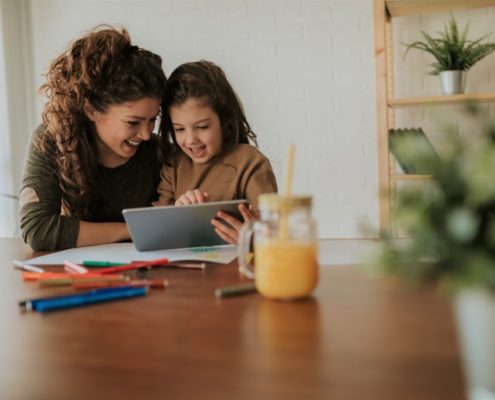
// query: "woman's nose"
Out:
[145,133]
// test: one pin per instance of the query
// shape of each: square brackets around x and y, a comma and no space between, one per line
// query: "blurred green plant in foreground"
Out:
[451,220]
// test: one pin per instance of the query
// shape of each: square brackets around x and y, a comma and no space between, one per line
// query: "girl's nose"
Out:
[191,137]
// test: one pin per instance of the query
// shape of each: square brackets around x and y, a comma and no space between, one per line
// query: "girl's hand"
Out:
[192,197]
[228,227]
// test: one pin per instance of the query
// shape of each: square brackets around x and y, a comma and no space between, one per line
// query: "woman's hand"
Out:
[192,197]
[228,227]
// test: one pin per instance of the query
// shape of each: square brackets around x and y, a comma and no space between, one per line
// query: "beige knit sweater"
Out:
[243,172]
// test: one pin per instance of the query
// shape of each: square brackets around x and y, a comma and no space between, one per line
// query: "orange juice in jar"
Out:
[285,247]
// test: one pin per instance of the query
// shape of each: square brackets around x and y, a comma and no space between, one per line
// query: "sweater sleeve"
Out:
[166,187]
[261,179]
[42,225]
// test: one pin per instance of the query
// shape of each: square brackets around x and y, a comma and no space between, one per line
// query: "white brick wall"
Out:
[304,70]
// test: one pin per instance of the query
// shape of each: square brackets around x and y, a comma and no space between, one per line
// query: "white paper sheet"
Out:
[126,252]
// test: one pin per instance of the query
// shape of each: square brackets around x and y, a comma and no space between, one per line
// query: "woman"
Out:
[95,152]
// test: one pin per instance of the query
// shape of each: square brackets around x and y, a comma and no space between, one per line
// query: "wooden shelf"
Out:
[400,8]
[410,177]
[442,100]
[390,176]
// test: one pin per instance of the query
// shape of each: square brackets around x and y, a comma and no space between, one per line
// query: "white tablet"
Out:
[175,227]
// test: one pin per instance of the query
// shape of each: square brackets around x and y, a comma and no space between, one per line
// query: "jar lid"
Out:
[273,201]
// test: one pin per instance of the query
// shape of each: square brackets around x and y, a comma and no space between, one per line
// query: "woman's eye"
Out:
[203,127]
[179,129]
[133,123]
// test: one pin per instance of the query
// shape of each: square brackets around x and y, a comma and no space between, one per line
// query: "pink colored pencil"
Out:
[73,268]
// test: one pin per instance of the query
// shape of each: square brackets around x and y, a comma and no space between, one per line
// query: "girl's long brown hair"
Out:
[206,81]
[104,69]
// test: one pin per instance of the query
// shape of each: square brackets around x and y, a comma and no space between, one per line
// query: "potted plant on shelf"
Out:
[454,54]
[450,224]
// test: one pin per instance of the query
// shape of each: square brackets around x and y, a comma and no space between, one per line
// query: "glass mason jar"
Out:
[285,247]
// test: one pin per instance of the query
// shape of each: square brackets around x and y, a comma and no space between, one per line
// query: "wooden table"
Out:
[356,338]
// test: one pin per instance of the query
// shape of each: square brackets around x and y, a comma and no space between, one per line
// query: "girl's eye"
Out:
[179,129]
[133,123]
[203,127]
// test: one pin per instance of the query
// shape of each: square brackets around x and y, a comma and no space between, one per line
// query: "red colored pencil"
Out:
[134,265]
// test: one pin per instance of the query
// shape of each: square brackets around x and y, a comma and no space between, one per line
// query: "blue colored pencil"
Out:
[81,299]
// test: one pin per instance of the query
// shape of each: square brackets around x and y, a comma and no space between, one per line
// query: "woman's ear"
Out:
[89,110]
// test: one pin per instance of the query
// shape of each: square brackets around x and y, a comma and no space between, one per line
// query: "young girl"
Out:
[94,153]
[206,140]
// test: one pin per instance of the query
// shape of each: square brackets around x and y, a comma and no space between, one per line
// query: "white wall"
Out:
[303,68]
[7,223]
[16,106]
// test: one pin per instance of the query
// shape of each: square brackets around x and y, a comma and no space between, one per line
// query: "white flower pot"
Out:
[453,81]
[475,312]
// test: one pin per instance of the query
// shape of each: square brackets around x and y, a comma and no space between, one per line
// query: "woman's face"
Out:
[198,131]
[122,128]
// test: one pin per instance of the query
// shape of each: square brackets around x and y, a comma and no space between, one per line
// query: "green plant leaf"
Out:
[451,49]
[462,224]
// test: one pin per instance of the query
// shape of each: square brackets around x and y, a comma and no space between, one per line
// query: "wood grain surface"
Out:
[357,337]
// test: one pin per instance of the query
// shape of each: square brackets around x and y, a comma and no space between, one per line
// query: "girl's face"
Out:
[198,131]
[122,128]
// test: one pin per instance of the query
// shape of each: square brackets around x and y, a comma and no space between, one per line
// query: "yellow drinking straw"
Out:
[283,232]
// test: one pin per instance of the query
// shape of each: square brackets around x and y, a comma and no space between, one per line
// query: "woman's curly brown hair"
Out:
[104,69]
[206,81]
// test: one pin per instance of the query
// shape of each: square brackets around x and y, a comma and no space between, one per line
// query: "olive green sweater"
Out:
[130,185]
[243,172]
